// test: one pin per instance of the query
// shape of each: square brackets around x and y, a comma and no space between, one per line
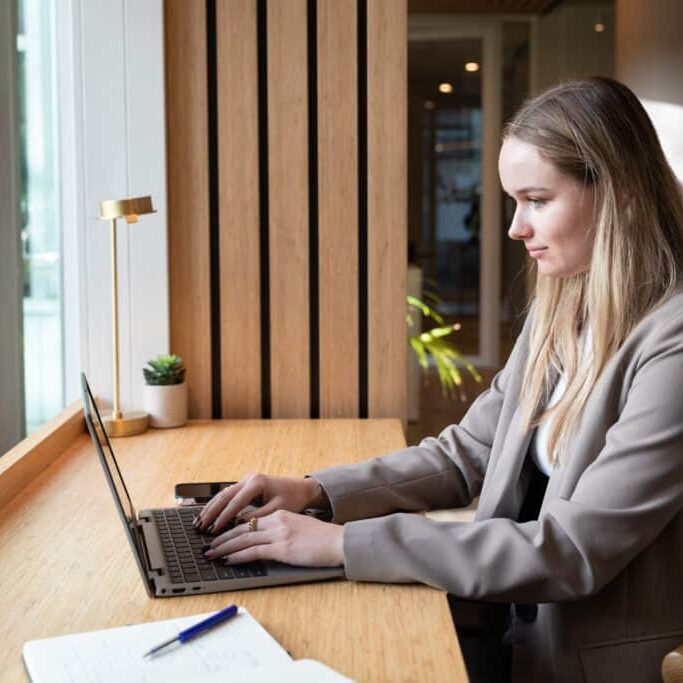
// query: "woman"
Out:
[576,449]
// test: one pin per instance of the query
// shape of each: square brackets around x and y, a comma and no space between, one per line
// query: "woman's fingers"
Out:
[237,543]
[222,509]
[217,503]
[239,501]
[286,493]
[265,510]
[252,554]
[283,536]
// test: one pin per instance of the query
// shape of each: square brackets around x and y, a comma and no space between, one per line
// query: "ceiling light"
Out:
[599,27]
[472,67]
[430,104]
[445,87]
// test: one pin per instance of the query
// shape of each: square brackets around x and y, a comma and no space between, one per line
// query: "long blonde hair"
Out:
[596,131]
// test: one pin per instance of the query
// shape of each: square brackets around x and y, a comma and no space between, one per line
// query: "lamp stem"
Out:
[116,414]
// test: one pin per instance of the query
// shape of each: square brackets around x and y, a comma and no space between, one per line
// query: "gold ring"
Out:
[253,524]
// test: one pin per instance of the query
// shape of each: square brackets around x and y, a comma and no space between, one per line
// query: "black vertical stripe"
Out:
[313,279]
[362,211]
[214,240]
[262,42]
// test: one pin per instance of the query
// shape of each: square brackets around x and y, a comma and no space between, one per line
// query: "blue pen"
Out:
[195,630]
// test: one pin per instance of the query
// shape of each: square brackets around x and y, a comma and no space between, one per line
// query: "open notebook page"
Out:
[115,655]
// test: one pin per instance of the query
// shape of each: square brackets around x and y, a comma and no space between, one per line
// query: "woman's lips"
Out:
[536,252]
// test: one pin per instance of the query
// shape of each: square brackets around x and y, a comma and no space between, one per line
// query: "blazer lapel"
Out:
[502,494]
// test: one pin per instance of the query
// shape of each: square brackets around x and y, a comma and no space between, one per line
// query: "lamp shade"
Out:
[129,208]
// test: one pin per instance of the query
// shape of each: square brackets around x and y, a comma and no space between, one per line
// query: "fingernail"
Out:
[210,528]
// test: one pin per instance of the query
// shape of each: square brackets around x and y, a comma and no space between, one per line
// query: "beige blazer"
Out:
[605,556]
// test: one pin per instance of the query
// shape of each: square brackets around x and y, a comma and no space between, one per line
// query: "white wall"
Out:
[649,59]
[113,134]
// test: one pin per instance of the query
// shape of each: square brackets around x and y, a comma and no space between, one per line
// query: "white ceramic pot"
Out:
[166,404]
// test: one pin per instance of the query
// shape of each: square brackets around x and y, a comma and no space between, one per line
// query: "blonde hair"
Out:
[596,131]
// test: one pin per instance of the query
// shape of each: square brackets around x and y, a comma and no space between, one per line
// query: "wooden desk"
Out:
[72,569]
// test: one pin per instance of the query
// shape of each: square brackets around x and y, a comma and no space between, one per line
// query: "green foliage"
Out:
[433,343]
[164,369]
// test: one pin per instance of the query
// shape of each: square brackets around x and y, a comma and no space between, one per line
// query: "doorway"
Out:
[465,78]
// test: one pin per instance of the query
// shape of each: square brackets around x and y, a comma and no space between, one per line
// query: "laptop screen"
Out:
[99,436]
[117,486]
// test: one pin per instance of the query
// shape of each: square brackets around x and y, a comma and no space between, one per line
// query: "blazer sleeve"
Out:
[621,503]
[441,472]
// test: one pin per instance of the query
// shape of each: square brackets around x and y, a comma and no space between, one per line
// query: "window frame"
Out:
[12,418]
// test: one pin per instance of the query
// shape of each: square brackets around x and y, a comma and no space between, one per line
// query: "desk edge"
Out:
[23,463]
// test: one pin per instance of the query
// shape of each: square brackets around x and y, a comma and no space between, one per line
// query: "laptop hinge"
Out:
[153,556]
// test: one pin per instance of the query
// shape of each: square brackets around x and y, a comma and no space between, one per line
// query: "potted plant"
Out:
[165,391]
[433,343]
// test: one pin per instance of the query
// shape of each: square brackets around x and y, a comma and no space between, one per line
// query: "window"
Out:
[40,211]
[81,120]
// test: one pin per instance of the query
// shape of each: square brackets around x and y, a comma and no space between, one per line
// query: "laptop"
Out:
[168,550]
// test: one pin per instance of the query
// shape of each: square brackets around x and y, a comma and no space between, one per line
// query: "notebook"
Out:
[168,550]
[238,650]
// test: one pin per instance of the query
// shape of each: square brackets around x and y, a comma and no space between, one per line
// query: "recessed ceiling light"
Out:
[599,27]
[430,104]
[445,87]
[472,66]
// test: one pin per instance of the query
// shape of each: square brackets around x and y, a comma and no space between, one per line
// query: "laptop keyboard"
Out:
[182,547]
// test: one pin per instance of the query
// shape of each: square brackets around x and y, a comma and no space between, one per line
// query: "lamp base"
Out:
[133,422]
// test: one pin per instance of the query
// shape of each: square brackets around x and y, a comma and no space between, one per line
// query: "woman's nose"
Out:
[519,228]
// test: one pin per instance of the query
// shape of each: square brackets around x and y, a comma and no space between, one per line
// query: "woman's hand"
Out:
[277,493]
[283,536]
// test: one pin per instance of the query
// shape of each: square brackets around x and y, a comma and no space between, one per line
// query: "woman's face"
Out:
[554,214]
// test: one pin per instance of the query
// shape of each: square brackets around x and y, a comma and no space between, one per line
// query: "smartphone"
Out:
[198,493]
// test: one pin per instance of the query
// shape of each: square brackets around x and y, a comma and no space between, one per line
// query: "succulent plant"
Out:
[164,369]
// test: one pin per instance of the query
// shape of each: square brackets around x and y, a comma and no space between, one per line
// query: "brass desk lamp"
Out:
[132,422]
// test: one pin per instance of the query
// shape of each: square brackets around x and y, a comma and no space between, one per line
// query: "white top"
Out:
[539,441]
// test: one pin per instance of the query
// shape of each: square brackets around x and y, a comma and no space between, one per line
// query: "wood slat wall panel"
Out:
[288,208]
[387,206]
[188,199]
[338,206]
[239,208]
[240,157]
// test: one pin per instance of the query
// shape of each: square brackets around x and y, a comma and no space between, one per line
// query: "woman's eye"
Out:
[536,203]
